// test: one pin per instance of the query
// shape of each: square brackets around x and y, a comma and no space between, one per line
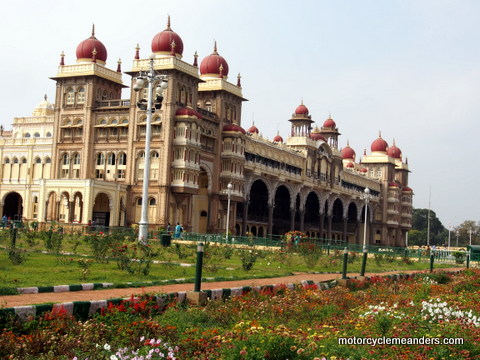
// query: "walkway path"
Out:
[31,299]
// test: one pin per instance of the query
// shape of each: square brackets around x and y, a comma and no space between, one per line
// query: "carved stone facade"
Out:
[81,158]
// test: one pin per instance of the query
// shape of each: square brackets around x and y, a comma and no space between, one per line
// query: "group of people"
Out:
[177,233]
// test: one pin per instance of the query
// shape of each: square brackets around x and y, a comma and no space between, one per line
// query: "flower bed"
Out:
[275,323]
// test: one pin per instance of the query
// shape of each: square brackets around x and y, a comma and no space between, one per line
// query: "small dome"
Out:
[329,123]
[393,184]
[163,42]
[394,151]
[214,64]
[233,128]
[348,152]
[301,109]
[407,189]
[44,108]
[278,139]
[350,165]
[90,47]
[364,170]
[379,145]
[188,112]
[253,130]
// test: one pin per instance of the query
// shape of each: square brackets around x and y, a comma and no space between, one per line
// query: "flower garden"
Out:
[276,323]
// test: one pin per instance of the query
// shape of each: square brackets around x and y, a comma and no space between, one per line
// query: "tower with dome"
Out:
[81,158]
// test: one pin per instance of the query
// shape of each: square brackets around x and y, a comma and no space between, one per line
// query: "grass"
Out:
[42,269]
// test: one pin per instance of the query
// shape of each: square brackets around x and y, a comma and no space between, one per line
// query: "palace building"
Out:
[81,158]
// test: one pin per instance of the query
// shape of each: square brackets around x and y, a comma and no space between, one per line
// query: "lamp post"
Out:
[149,80]
[470,232]
[366,197]
[229,193]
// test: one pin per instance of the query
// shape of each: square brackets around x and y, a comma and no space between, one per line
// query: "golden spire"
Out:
[168,23]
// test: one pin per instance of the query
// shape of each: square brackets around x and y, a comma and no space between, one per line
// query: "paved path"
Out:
[31,299]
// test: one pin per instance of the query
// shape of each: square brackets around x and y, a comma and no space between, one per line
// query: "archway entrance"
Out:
[13,207]
[101,210]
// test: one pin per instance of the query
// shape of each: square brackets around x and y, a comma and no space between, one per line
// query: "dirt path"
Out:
[30,299]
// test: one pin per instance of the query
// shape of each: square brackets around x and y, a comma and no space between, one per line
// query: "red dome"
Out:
[233,128]
[301,110]
[363,170]
[393,184]
[394,152]
[253,129]
[162,42]
[329,123]
[348,152]
[86,49]
[212,63]
[350,165]
[407,189]
[278,138]
[188,112]
[317,136]
[379,145]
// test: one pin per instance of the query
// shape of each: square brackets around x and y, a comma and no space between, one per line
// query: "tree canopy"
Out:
[419,233]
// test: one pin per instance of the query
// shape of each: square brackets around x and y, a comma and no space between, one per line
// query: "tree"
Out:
[463,231]
[419,233]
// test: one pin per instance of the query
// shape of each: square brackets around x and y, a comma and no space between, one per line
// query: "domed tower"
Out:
[317,135]
[330,132]
[214,65]
[44,108]
[81,89]
[167,43]
[348,155]
[301,122]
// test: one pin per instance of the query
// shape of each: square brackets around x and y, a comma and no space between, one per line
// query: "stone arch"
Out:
[101,208]
[281,209]
[12,205]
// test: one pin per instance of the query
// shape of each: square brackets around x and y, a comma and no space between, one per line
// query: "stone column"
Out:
[292,219]
[302,219]
[270,219]
[345,225]
[322,221]
[329,228]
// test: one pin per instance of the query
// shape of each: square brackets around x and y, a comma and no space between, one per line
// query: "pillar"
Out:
[302,219]
[292,219]
[329,228]
[270,219]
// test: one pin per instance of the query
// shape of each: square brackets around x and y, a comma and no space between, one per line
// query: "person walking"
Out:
[178,231]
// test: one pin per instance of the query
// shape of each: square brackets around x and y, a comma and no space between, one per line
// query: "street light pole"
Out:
[470,232]
[366,197]
[229,193]
[160,82]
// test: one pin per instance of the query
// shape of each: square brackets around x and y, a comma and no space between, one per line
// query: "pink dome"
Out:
[87,47]
[162,42]
[253,129]
[213,64]
[188,112]
[350,165]
[394,151]
[278,138]
[407,189]
[329,123]
[301,110]
[233,128]
[363,170]
[379,145]
[393,184]
[348,152]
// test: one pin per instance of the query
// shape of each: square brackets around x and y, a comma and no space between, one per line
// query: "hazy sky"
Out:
[407,68]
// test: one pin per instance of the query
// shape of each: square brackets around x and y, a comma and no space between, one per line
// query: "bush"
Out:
[16,256]
[248,258]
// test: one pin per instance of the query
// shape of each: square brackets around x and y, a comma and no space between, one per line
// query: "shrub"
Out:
[248,258]
[16,256]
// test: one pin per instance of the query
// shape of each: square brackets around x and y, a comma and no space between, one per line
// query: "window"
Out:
[65,159]
[139,201]
[27,135]
[81,96]
[141,154]
[15,160]
[111,159]
[76,159]
[24,160]
[100,159]
[98,174]
[37,135]
[7,161]
[122,159]
[64,173]
[121,174]
[152,202]
[38,160]
[49,134]
[70,97]
[48,160]
[154,154]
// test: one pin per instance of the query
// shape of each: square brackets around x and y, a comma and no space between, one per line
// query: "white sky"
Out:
[407,68]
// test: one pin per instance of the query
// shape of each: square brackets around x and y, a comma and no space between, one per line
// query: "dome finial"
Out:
[215,47]
[195,59]
[348,143]
[394,142]
[168,23]
[379,133]
[45,97]
[62,58]
[119,66]
[93,30]
[239,84]
[137,52]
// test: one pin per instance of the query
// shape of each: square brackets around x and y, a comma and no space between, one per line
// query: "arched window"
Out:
[49,134]
[37,135]
[70,97]
[111,159]
[122,159]
[38,160]
[48,160]
[7,161]
[24,160]
[65,159]
[154,154]
[76,159]
[15,160]
[139,201]
[81,96]
[27,135]
[141,154]
[100,159]
[152,202]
